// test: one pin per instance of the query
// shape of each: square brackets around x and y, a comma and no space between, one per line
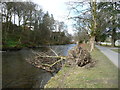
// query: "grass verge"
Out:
[116,50]
[103,75]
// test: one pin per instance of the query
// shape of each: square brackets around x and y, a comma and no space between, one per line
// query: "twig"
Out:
[57,62]
[50,65]
[54,52]
[41,84]
[53,56]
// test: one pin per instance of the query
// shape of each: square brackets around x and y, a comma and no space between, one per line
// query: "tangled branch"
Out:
[47,62]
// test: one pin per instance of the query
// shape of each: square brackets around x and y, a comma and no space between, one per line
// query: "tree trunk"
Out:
[10,16]
[14,17]
[92,43]
[113,42]
[94,16]
[19,21]
[24,22]
[30,19]
[113,37]
[6,28]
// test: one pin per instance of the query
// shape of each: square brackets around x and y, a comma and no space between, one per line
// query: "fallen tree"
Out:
[52,63]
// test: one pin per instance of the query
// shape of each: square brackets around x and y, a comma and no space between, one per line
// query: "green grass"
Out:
[116,50]
[12,43]
[107,45]
[103,75]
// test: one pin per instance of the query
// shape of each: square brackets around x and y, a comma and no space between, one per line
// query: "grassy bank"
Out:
[116,50]
[103,75]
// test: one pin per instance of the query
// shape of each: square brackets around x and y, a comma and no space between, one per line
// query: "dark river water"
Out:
[17,73]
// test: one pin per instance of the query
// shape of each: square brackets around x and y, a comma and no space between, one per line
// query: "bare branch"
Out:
[80,18]
[52,56]
[53,51]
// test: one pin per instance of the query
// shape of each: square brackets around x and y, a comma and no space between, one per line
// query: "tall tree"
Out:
[19,11]
[93,26]
[87,17]
[113,10]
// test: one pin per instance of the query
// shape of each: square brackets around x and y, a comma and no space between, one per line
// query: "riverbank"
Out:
[18,73]
[103,75]
[16,48]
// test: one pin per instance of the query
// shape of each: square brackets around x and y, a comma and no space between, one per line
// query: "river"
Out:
[17,73]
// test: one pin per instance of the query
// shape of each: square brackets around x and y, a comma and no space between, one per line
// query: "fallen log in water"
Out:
[76,56]
[47,62]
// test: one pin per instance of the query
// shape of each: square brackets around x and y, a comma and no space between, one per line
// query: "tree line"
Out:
[34,26]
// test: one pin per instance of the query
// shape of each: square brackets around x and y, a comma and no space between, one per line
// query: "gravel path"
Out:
[113,56]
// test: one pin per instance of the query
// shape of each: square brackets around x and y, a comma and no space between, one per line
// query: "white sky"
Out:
[56,7]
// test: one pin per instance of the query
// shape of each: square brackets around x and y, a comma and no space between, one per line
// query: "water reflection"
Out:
[17,73]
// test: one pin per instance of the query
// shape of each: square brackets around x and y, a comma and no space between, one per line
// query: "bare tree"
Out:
[19,11]
[87,17]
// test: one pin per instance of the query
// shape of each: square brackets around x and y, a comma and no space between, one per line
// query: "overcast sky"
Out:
[57,7]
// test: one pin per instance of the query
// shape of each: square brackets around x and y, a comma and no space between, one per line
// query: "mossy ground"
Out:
[103,75]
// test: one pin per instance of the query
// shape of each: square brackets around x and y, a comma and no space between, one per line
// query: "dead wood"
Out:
[76,56]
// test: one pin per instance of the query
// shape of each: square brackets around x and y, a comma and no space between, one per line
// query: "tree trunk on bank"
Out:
[14,17]
[30,19]
[94,29]
[19,22]
[113,37]
[92,43]
[24,22]
[113,42]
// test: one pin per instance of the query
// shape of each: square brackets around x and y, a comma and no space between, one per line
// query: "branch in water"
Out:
[50,65]
[53,51]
